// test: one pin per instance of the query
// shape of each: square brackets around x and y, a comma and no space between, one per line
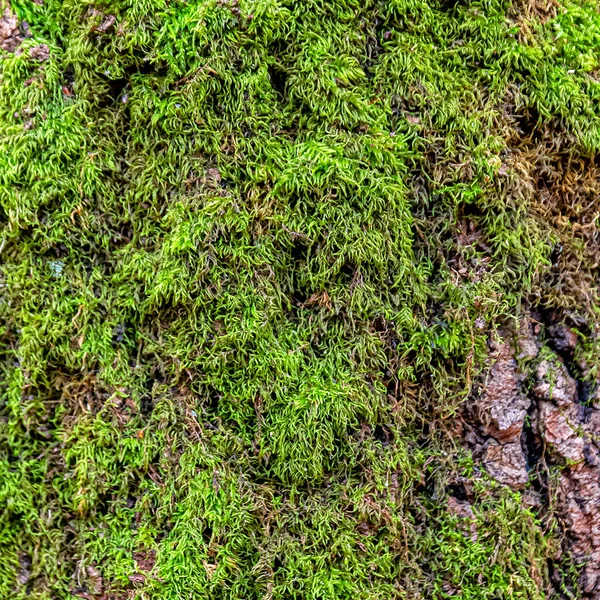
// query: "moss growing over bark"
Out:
[252,253]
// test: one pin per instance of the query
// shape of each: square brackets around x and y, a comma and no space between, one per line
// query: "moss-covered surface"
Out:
[251,255]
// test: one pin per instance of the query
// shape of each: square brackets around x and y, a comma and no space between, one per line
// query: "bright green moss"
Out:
[251,255]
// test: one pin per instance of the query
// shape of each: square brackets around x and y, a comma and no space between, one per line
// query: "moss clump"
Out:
[251,255]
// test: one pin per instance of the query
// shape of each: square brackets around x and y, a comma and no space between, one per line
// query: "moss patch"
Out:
[252,252]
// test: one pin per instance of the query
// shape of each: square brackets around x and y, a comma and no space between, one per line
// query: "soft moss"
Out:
[252,252]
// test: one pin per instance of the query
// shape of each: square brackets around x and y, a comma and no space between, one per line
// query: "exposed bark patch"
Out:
[145,559]
[10,33]
[551,421]
[500,414]
[40,52]
[506,463]
[569,437]
[503,406]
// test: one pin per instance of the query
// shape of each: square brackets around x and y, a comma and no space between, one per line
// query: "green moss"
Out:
[251,255]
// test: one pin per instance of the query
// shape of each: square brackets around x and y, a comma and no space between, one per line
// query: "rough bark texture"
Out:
[564,425]
[10,34]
